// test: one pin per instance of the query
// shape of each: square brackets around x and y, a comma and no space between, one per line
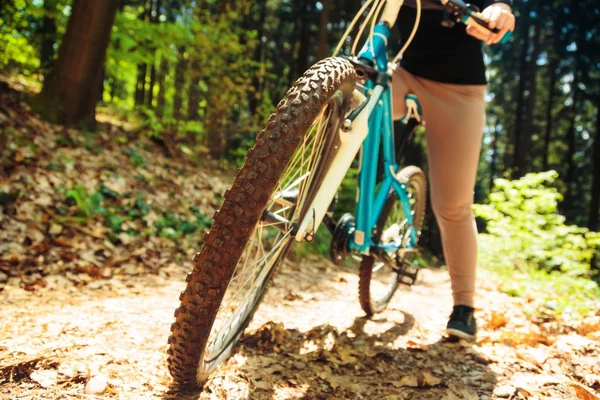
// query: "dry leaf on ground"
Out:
[582,392]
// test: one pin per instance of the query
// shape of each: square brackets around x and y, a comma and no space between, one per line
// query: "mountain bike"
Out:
[340,108]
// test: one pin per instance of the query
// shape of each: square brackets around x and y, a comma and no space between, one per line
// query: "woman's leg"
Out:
[455,117]
[402,83]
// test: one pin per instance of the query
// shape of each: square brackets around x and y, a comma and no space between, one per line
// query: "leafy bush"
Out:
[525,228]
[529,246]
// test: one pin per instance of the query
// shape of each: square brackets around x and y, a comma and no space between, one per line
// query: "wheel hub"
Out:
[340,241]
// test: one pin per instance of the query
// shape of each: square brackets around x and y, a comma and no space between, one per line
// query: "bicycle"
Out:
[339,108]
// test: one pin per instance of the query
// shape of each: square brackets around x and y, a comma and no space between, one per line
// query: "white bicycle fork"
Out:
[351,142]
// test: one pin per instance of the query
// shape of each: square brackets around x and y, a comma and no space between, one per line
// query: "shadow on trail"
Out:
[326,363]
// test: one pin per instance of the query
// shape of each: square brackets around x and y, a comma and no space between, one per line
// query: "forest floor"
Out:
[308,340]
[97,234]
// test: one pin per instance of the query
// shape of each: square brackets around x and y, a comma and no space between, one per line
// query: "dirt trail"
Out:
[309,340]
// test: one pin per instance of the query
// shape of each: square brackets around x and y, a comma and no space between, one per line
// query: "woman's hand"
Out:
[498,15]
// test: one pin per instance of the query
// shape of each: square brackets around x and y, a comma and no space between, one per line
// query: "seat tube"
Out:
[387,133]
[367,180]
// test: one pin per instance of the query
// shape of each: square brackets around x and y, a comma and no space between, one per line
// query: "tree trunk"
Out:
[215,140]
[140,86]
[570,177]
[162,73]
[259,53]
[194,90]
[179,84]
[571,132]
[323,49]
[529,112]
[595,202]
[550,106]
[150,94]
[303,51]
[142,69]
[518,159]
[48,33]
[154,18]
[69,94]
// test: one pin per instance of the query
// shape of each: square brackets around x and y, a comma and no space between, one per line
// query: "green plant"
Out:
[522,216]
[136,158]
[528,242]
[80,195]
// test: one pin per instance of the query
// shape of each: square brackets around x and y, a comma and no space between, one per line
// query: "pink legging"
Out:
[454,117]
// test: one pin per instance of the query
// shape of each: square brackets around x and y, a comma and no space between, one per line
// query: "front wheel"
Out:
[253,230]
[378,275]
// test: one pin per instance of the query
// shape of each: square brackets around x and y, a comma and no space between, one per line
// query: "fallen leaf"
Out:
[407,381]
[96,385]
[45,377]
[345,356]
[524,392]
[591,325]
[533,355]
[415,346]
[55,229]
[582,392]
[450,396]
[497,320]
[35,235]
[468,394]
[345,382]
[430,380]
[504,391]
[262,384]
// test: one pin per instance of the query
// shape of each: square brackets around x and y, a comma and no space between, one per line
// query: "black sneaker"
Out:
[462,323]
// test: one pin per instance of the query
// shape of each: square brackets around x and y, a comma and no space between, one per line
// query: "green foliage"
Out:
[136,158]
[523,215]
[116,210]
[79,194]
[21,31]
[17,50]
[526,232]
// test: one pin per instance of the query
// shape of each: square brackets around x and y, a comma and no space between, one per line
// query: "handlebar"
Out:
[374,50]
[469,15]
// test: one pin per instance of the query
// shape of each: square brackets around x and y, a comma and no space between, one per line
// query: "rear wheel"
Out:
[378,274]
[252,232]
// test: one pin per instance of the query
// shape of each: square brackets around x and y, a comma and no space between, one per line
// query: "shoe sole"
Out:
[459,334]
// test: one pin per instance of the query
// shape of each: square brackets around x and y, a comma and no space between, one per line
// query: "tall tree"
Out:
[259,56]
[578,77]
[194,90]
[48,34]
[526,81]
[180,69]
[142,68]
[594,216]
[532,86]
[553,67]
[154,19]
[323,49]
[304,14]
[70,92]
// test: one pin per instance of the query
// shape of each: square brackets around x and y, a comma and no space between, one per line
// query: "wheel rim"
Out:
[395,230]
[267,242]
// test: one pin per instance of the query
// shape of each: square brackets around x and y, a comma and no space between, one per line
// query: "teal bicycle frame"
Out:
[371,201]
[381,135]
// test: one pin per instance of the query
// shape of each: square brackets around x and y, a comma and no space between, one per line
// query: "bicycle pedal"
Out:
[407,273]
[405,254]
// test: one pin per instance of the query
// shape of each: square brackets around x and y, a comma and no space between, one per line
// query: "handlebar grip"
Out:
[475,19]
